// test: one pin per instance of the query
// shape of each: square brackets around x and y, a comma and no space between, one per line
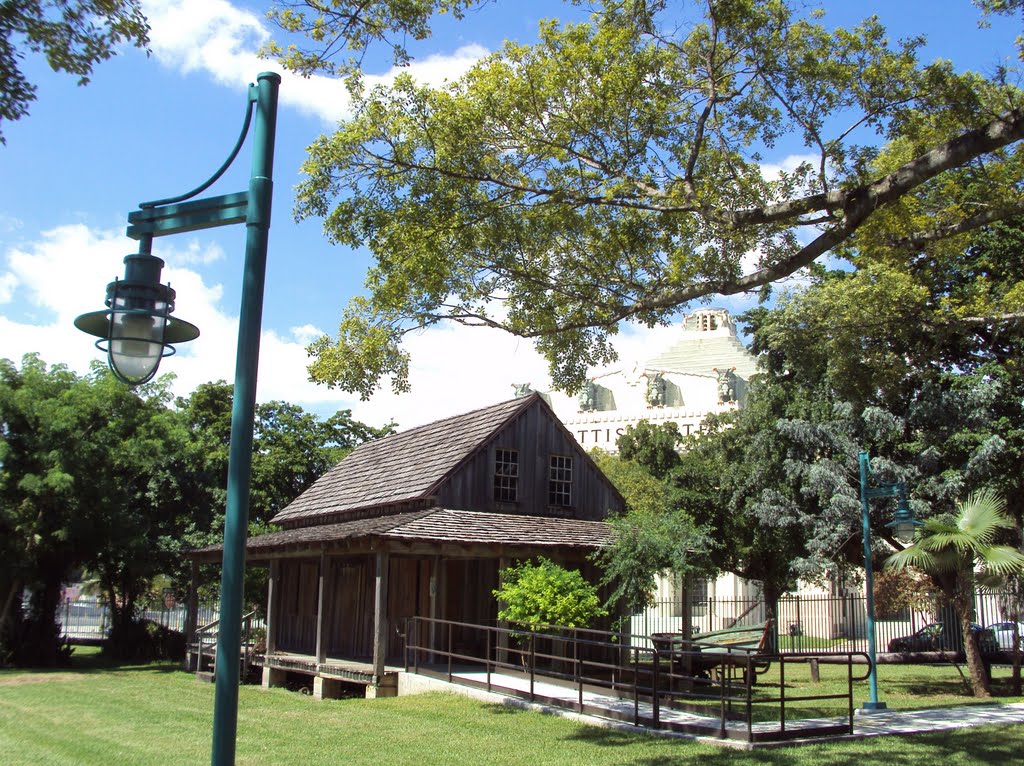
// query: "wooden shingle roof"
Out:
[436,526]
[401,469]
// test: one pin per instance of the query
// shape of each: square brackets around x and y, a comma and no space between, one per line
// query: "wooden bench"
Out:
[719,651]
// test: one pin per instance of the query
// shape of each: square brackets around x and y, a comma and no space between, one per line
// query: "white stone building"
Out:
[705,371]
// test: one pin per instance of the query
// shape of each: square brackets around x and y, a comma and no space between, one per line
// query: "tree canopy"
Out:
[115,482]
[73,36]
[614,171]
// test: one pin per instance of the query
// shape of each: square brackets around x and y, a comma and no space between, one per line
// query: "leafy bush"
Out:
[545,593]
[144,640]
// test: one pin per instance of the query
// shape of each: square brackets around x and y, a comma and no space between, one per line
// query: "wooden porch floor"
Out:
[353,670]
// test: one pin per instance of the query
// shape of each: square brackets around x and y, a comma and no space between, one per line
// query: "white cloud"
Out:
[8,223]
[207,35]
[200,255]
[8,282]
[789,163]
[64,274]
[454,369]
[65,271]
[222,40]
[306,334]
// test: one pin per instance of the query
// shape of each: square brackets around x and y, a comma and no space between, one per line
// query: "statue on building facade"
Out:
[587,400]
[726,385]
[655,394]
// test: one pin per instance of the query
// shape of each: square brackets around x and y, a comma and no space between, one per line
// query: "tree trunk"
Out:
[1015,689]
[14,592]
[772,593]
[42,637]
[976,669]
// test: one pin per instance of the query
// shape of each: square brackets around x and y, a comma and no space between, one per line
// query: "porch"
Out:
[330,679]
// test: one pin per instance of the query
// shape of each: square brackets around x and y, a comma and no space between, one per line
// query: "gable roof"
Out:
[404,468]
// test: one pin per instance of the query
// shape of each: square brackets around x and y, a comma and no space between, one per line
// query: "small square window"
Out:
[506,475]
[560,481]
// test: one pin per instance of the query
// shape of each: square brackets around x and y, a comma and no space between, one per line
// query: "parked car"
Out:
[1004,634]
[933,637]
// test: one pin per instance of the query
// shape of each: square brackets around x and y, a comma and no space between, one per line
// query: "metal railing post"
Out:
[782,693]
[655,686]
[533,660]
[750,697]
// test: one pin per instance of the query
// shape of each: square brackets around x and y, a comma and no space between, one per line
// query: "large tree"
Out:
[112,480]
[291,449]
[86,480]
[655,536]
[613,171]
[71,35]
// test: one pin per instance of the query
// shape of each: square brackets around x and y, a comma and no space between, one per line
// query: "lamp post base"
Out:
[871,707]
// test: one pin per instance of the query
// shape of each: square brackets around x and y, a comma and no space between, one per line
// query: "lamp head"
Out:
[903,523]
[136,329]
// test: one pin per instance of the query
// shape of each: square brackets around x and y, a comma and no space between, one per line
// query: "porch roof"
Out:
[436,526]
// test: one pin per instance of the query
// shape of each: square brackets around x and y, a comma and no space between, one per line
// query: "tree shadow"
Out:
[97,662]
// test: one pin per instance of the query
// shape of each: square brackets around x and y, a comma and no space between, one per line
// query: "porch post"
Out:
[321,621]
[191,614]
[502,654]
[272,676]
[273,599]
[434,609]
[380,616]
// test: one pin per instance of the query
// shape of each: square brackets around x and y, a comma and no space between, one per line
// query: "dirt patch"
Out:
[39,678]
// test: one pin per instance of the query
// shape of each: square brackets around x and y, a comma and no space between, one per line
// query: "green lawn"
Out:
[156,714]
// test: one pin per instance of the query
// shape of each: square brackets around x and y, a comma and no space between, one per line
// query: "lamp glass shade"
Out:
[136,344]
[903,530]
[903,523]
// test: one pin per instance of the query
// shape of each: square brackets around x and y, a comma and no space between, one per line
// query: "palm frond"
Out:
[1001,560]
[913,556]
[982,515]
[945,544]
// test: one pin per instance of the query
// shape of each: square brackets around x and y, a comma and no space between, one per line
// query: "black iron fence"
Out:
[88,620]
[822,622]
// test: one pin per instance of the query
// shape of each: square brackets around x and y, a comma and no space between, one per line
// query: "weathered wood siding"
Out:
[536,436]
[350,633]
[296,628]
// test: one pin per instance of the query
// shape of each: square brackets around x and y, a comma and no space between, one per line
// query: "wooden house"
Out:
[419,524]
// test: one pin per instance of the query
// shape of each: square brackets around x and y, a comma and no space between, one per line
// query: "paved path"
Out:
[613,711]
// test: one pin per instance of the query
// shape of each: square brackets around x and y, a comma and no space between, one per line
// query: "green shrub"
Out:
[547,594]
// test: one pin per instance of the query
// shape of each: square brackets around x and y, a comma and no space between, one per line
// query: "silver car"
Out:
[1004,634]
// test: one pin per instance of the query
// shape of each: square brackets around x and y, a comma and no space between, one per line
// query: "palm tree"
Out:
[956,551]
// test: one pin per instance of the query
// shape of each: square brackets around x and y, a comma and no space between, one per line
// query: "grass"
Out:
[95,713]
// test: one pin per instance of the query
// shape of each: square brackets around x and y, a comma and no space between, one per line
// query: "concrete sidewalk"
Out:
[610,711]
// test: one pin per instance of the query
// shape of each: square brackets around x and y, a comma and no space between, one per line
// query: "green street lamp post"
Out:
[903,524]
[137,331]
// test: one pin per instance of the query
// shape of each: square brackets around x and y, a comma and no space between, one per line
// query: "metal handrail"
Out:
[646,674]
[204,636]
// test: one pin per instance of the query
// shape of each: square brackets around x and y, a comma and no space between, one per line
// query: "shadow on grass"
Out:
[88,662]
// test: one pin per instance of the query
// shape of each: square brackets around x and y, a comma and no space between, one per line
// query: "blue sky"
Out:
[150,127]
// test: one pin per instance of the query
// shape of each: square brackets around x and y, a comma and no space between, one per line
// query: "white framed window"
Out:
[560,481]
[506,475]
